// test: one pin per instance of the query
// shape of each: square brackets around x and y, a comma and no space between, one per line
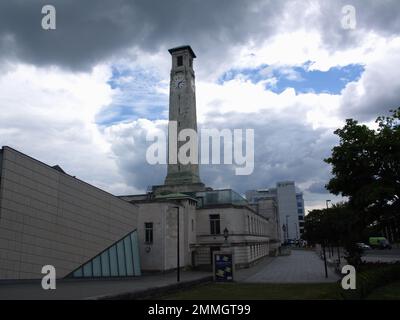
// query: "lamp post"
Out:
[323,246]
[178,275]
[226,235]
[287,228]
[330,248]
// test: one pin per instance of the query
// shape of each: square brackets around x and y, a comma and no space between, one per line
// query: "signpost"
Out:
[223,266]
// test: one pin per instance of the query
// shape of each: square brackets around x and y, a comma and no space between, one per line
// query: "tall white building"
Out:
[290,205]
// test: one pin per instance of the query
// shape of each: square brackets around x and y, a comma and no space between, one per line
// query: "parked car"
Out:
[363,246]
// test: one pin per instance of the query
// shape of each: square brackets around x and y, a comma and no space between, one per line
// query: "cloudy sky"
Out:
[85,95]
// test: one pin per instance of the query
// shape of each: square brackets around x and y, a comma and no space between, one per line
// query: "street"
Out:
[386,255]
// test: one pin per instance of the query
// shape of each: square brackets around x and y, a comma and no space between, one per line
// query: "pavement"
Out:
[74,289]
[301,266]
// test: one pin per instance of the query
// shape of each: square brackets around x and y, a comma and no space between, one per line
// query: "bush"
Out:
[371,276]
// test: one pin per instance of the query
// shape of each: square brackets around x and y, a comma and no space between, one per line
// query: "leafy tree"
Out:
[366,167]
[339,225]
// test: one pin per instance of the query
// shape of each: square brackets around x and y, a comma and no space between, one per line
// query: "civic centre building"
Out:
[48,217]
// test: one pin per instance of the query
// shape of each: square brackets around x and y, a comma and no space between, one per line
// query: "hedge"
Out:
[370,277]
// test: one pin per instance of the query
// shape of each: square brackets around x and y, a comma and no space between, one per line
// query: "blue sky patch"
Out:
[299,78]
[137,97]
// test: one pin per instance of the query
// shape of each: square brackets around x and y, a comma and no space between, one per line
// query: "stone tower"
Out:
[182,113]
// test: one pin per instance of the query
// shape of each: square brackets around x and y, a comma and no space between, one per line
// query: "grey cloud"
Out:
[317,187]
[89,31]
[377,91]
[285,149]
[93,30]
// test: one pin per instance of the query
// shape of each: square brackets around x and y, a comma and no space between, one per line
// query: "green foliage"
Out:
[366,166]
[371,277]
[339,225]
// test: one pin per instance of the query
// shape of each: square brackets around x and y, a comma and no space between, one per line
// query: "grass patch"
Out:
[388,292]
[260,291]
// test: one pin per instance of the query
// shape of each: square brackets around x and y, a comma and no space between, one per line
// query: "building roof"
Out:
[181,48]
[172,196]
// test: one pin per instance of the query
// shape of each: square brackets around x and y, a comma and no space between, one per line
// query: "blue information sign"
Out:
[223,267]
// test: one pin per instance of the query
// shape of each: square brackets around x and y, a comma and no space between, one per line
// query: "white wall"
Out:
[287,206]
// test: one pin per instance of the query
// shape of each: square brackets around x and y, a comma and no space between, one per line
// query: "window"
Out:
[300,211]
[192,225]
[119,260]
[215,224]
[148,230]
[301,218]
[179,61]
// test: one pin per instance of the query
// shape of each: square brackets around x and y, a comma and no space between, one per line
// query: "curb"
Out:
[154,292]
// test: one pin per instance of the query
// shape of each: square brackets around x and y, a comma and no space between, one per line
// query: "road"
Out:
[302,266]
[386,255]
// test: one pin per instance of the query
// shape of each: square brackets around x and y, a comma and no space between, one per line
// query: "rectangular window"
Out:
[215,224]
[179,61]
[113,261]
[105,264]
[148,229]
[128,256]
[87,269]
[121,259]
[96,267]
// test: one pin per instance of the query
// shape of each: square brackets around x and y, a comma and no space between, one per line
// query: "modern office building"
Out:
[290,206]
[300,211]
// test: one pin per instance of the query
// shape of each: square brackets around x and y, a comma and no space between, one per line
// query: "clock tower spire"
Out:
[182,114]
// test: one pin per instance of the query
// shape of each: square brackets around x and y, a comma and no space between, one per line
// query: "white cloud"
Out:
[49,114]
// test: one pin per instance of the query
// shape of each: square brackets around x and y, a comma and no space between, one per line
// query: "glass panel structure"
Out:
[217,197]
[121,259]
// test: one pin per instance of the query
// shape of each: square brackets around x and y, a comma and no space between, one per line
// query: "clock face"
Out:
[179,81]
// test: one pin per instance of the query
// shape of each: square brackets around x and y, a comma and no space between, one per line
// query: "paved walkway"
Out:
[301,266]
[89,289]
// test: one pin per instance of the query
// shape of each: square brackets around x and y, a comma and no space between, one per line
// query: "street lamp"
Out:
[226,234]
[327,201]
[323,246]
[329,248]
[287,227]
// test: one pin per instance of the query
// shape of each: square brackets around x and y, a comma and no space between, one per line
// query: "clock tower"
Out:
[182,114]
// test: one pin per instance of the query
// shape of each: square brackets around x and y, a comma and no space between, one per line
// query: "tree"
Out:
[366,167]
[339,225]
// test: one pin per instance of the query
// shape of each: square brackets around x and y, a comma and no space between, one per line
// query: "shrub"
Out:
[371,276]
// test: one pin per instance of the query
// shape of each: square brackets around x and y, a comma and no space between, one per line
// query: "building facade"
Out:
[210,219]
[289,204]
[48,217]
